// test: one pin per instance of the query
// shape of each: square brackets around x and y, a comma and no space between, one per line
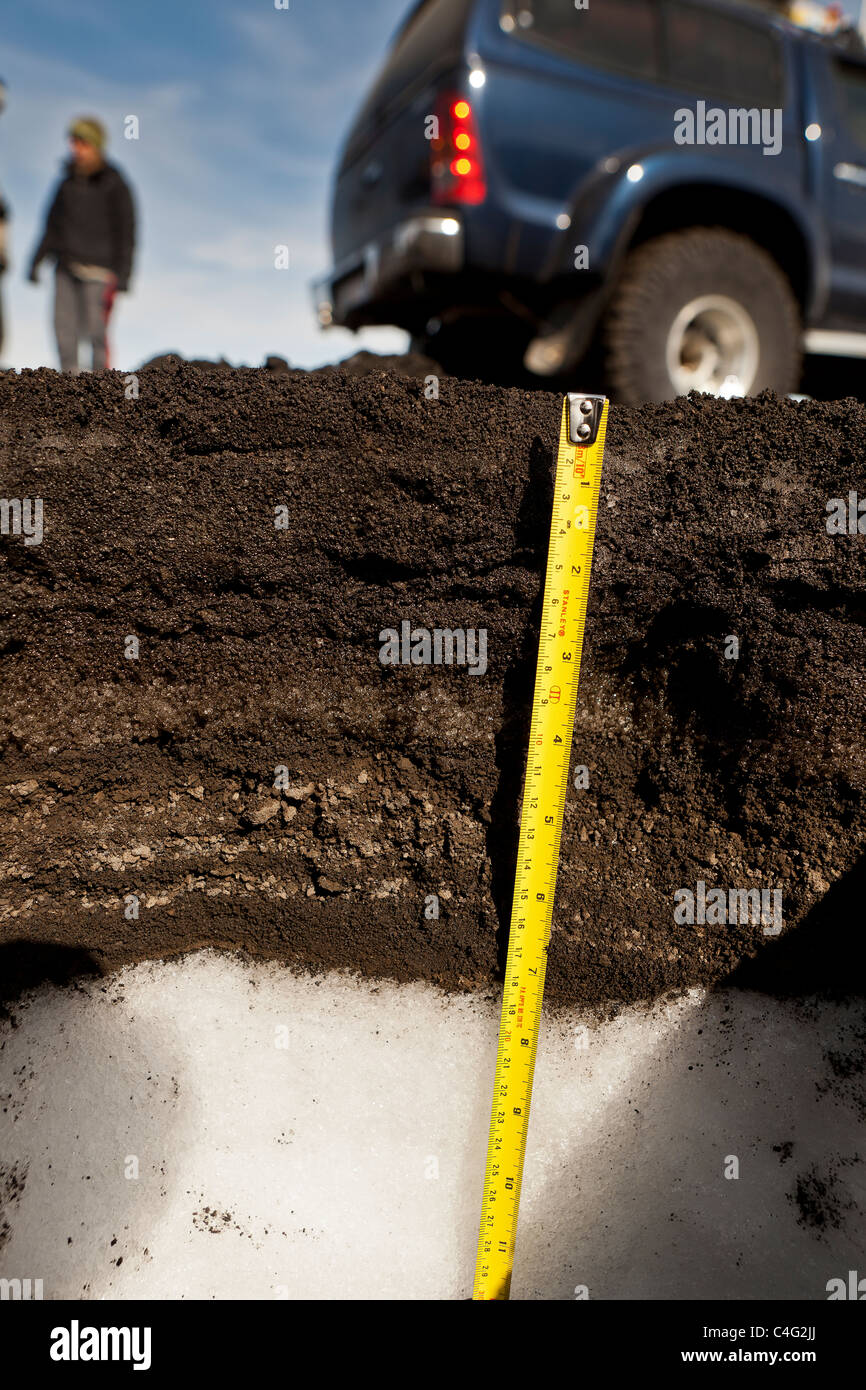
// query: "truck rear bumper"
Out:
[429,241]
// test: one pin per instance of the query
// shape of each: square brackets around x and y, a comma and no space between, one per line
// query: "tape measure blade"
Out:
[564,604]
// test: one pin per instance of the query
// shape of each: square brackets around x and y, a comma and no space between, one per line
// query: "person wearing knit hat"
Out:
[90,235]
[89,131]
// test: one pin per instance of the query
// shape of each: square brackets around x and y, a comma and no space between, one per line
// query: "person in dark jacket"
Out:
[90,234]
[4,223]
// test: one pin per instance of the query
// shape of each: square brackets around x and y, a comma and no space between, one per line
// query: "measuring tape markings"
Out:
[566,595]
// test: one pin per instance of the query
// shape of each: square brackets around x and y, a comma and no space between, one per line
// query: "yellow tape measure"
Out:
[566,594]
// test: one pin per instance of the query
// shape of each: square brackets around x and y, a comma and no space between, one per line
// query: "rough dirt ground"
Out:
[259,648]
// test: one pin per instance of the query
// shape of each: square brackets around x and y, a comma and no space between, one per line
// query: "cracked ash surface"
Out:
[259,649]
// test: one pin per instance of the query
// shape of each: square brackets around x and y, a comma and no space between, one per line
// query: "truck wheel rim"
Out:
[712,340]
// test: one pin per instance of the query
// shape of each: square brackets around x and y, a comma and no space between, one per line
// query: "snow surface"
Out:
[325,1137]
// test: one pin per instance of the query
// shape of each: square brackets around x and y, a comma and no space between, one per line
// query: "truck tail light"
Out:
[456,164]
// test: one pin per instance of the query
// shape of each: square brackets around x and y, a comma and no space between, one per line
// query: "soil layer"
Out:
[140,816]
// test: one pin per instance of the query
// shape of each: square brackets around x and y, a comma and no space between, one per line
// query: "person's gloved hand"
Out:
[33,275]
[121,286]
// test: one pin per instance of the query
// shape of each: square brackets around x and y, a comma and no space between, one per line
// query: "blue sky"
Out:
[241,111]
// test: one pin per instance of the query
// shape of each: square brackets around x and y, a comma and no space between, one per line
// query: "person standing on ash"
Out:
[4,223]
[90,234]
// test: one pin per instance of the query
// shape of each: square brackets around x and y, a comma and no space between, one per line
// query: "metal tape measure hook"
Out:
[584,417]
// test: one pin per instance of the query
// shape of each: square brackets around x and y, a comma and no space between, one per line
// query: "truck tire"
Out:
[703,309]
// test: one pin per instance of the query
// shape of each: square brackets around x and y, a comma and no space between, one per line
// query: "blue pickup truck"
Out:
[676,186]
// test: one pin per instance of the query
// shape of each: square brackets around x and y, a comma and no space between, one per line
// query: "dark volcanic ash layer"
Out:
[259,649]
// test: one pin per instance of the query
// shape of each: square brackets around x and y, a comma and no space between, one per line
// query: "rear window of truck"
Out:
[690,47]
[430,39]
[433,29]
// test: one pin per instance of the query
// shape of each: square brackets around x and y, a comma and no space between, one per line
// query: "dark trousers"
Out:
[79,314]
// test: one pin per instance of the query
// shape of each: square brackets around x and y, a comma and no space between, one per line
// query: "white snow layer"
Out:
[209,1128]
